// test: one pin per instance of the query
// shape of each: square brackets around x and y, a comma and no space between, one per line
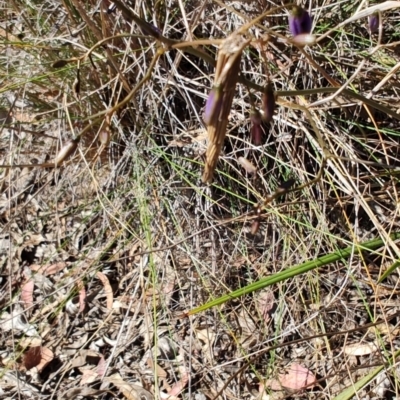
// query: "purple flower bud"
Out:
[256,131]
[213,105]
[299,21]
[268,103]
[373,22]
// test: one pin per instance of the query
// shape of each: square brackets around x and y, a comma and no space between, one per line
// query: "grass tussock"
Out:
[123,275]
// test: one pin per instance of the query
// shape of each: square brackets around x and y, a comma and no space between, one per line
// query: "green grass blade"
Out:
[294,271]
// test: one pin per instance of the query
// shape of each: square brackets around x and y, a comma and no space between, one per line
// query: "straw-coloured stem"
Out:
[226,77]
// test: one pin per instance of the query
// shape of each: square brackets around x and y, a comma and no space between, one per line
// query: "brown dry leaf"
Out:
[32,357]
[107,289]
[358,349]
[27,293]
[129,390]
[296,377]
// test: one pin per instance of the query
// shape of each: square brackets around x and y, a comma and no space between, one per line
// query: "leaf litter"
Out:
[94,312]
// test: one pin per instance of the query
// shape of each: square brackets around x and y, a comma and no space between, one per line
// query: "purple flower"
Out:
[373,22]
[213,105]
[268,103]
[299,21]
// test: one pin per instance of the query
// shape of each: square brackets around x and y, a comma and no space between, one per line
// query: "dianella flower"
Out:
[300,21]
[213,105]
[373,22]
[268,101]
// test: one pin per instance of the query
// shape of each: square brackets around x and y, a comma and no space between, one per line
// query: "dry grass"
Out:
[102,256]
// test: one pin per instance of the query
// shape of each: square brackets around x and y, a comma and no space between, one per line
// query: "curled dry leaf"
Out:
[107,289]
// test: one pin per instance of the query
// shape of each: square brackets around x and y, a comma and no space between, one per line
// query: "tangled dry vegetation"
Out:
[104,253]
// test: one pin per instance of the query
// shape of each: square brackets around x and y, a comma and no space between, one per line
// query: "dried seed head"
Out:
[268,103]
[256,131]
[213,105]
[66,151]
[299,21]
[373,22]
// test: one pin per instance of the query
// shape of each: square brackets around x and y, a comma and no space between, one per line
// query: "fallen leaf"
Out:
[48,269]
[32,357]
[101,366]
[82,296]
[37,357]
[46,357]
[266,304]
[358,349]
[180,385]
[88,376]
[129,390]
[296,378]
[83,391]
